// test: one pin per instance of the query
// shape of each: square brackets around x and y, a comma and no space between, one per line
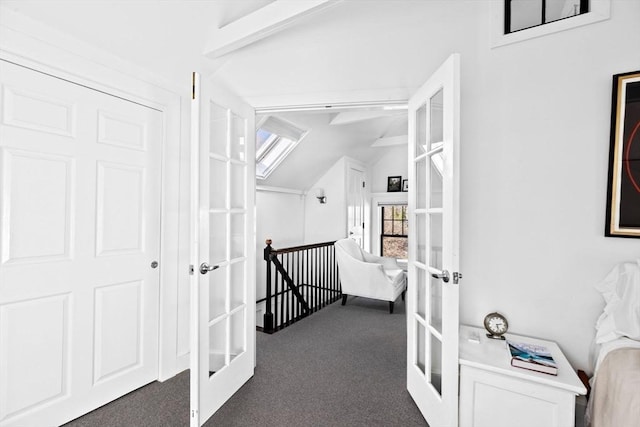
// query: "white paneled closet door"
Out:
[79,245]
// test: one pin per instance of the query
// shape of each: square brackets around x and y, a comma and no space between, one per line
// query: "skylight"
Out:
[275,138]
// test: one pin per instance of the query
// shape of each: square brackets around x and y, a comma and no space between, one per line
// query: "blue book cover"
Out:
[533,357]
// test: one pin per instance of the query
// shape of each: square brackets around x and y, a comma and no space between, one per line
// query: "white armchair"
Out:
[365,275]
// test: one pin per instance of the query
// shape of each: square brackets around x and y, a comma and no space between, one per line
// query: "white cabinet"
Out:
[495,394]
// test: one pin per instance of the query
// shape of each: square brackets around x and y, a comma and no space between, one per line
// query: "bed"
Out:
[615,385]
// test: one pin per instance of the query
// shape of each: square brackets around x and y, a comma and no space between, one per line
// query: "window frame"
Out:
[584,8]
[404,221]
[600,10]
[272,142]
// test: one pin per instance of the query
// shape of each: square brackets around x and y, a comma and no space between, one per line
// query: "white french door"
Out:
[432,304]
[79,247]
[223,248]
[355,204]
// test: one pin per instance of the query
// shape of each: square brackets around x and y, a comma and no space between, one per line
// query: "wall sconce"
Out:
[319,192]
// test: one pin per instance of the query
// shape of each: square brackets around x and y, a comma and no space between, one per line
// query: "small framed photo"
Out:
[394,183]
[405,185]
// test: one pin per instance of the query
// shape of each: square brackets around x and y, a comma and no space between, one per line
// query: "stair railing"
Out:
[299,281]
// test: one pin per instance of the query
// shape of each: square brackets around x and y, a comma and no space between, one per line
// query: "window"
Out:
[510,24]
[523,14]
[393,240]
[275,138]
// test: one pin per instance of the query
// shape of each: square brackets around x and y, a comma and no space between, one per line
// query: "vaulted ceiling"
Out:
[354,50]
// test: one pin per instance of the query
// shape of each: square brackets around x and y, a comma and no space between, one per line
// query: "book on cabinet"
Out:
[532,357]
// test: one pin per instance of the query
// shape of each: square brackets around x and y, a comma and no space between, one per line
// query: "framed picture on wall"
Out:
[394,183]
[405,185]
[623,189]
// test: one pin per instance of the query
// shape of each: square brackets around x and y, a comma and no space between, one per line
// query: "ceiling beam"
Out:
[391,140]
[260,24]
[358,116]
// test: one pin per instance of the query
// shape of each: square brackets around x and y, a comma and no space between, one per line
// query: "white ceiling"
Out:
[326,143]
[353,49]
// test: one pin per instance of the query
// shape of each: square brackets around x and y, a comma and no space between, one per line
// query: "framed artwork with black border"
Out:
[623,189]
[394,183]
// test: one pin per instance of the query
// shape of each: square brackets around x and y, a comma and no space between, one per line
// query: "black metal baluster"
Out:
[309,288]
[276,309]
[324,276]
[299,304]
[267,319]
[289,294]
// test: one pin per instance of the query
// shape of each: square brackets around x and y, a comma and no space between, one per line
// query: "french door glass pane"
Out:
[218,128]
[421,178]
[421,289]
[421,130]
[435,303]
[435,184]
[237,344]
[237,235]
[435,248]
[217,346]
[238,138]
[218,184]
[436,363]
[217,292]
[217,238]
[237,284]
[237,193]
[421,346]
[421,238]
[436,119]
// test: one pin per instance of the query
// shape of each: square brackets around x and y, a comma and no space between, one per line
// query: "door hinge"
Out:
[193,85]
[456,277]
[194,413]
[362,184]
[191,269]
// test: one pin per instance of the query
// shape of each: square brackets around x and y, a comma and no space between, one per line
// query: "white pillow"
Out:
[621,292]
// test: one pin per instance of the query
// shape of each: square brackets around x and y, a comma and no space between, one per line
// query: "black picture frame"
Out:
[405,185]
[394,183]
[623,186]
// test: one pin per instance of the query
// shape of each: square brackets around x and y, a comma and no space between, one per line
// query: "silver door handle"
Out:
[205,268]
[444,275]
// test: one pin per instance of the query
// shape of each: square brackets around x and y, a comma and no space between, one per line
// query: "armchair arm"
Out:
[387,262]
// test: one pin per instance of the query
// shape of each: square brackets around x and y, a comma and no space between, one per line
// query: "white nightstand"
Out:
[495,394]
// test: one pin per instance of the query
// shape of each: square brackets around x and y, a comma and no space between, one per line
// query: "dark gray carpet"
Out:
[342,366]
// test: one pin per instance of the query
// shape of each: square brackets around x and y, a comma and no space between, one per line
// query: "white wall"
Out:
[279,217]
[326,222]
[392,162]
[535,143]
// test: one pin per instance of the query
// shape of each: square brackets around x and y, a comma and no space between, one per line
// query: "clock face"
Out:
[496,324]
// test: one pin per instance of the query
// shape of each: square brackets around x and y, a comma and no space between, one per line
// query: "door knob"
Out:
[205,268]
[444,275]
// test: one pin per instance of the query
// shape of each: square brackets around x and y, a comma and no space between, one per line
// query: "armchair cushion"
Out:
[366,275]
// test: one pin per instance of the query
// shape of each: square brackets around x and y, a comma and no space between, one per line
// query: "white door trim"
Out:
[31,44]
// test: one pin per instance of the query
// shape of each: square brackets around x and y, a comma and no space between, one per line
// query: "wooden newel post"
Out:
[268,315]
